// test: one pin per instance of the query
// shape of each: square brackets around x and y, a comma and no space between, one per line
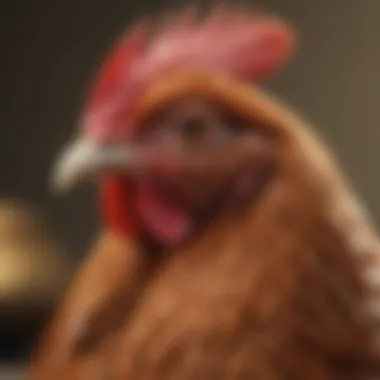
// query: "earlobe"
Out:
[252,182]
[259,157]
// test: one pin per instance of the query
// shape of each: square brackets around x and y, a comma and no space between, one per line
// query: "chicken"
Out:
[232,248]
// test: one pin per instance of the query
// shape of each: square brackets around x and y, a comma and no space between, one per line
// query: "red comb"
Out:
[118,65]
[113,91]
[249,46]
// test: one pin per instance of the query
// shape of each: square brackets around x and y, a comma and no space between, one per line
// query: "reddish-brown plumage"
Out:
[284,289]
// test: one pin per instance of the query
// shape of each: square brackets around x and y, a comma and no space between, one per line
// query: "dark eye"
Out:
[193,128]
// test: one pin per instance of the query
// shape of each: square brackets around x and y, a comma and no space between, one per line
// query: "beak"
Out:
[84,160]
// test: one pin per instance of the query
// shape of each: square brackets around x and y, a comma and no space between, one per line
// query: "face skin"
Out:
[202,161]
[188,163]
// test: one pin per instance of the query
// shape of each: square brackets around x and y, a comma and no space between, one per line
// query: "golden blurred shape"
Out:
[33,269]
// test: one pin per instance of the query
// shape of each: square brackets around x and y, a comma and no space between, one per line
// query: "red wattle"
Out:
[115,206]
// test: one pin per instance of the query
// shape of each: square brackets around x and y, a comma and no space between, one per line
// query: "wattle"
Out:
[115,206]
[150,208]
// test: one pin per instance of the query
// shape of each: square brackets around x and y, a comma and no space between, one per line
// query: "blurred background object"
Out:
[50,51]
[33,274]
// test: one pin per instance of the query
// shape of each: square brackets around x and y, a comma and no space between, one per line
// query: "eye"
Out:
[193,128]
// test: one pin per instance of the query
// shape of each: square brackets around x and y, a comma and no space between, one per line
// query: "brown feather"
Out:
[105,288]
[285,290]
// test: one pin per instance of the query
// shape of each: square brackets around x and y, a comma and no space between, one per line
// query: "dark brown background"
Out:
[50,49]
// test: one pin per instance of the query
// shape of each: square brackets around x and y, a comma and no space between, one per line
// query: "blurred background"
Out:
[50,51]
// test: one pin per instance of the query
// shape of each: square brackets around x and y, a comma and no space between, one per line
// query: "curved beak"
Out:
[84,160]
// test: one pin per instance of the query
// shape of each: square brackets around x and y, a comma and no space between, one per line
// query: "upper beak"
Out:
[83,160]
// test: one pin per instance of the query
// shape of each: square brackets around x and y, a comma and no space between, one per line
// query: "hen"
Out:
[232,246]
